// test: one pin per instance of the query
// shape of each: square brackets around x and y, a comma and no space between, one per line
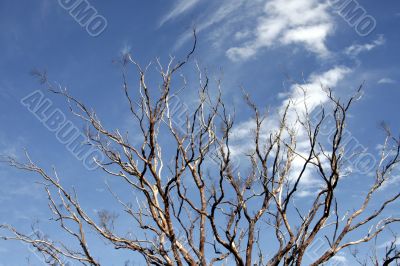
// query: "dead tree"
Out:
[194,205]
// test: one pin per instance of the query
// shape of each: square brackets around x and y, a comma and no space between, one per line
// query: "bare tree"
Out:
[194,206]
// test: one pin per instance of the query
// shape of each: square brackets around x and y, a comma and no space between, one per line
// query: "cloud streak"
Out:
[356,49]
[386,81]
[253,26]
[316,96]
[286,22]
[180,7]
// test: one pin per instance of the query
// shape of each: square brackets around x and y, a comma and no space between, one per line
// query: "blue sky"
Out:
[265,46]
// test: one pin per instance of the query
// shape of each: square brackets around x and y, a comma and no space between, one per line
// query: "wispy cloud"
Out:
[356,49]
[7,149]
[180,7]
[313,88]
[251,26]
[340,259]
[386,81]
[391,182]
[316,96]
[388,243]
[217,22]
[285,22]
[126,48]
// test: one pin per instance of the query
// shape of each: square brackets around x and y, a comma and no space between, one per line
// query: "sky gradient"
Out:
[267,47]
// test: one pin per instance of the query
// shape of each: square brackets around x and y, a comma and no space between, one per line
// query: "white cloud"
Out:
[315,96]
[180,7]
[388,243]
[386,81]
[359,48]
[391,182]
[7,149]
[240,35]
[304,22]
[229,9]
[258,24]
[13,148]
[126,48]
[306,193]
[339,260]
